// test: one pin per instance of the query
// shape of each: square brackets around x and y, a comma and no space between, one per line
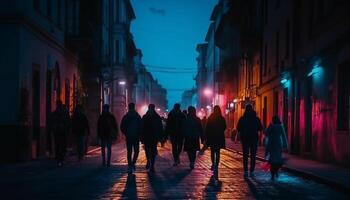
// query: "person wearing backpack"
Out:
[107,130]
[248,127]
[192,129]
[131,126]
[59,125]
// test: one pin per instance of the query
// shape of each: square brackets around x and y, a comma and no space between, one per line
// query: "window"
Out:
[343,97]
[36,5]
[49,9]
[287,38]
[277,50]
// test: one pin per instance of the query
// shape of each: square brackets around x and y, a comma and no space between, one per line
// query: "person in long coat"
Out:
[275,144]
[192,129]
[215,136]
[248,127]
[174,130]
[152,130]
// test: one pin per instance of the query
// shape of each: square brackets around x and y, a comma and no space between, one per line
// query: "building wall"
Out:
[36,45]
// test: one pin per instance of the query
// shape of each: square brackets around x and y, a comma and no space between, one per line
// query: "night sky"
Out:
[167,31]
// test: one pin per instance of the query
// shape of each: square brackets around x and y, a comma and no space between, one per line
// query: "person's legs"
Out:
[212,156]
[136,146]
[148,157]
[192,158]
[174,149]
[217,157]
[103,152]
[80,146]
[253,149]
[109,152]
[129,152]
[245,149]
[153,153]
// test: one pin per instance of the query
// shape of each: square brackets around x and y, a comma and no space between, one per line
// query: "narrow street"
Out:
[88,180]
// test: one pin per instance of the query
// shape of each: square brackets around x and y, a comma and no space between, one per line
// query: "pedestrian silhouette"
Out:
[215,134]
[80,130]
[203,137]
[174,129]
[131,126]
[59,125]
[248,127]
[107,130]
[192,129]
[152,130]
[276,142]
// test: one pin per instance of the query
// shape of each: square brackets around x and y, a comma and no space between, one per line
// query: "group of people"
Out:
[184,129]
[60,124]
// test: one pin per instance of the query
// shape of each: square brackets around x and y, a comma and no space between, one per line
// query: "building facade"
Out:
[37,70]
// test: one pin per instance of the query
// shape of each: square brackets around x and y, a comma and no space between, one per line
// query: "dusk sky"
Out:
[167,32]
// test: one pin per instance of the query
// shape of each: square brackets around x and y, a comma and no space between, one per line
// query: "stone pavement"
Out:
[89,180]
[332,175]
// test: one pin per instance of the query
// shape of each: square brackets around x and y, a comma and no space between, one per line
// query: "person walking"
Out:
[275,144]
[131,126]
[59,125]
[248,127]
[203,137]
[81,130]
[215,135]
[107,130]
[174,129]
[152,130]
[192,129]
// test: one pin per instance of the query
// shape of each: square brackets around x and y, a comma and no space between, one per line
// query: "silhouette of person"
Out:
[59,126]
[275,144]
[107,130]
[203,137]
[248,127]
[174,129]
[81,130]
[131,126]
[215,134]
[152,130]
[192,129]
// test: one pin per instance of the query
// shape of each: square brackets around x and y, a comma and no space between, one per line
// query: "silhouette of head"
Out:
[217,110]
[177,106]
[151,107]
[105,108]
[276,120]
[184,112]
[249,110]
[131,106]
[191,111]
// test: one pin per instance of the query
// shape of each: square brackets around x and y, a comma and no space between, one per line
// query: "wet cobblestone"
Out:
[88,180]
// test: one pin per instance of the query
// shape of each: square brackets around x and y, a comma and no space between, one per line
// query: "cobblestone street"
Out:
[88,180]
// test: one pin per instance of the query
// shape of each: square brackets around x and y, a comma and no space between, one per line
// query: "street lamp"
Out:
[208,92]
[122,82]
